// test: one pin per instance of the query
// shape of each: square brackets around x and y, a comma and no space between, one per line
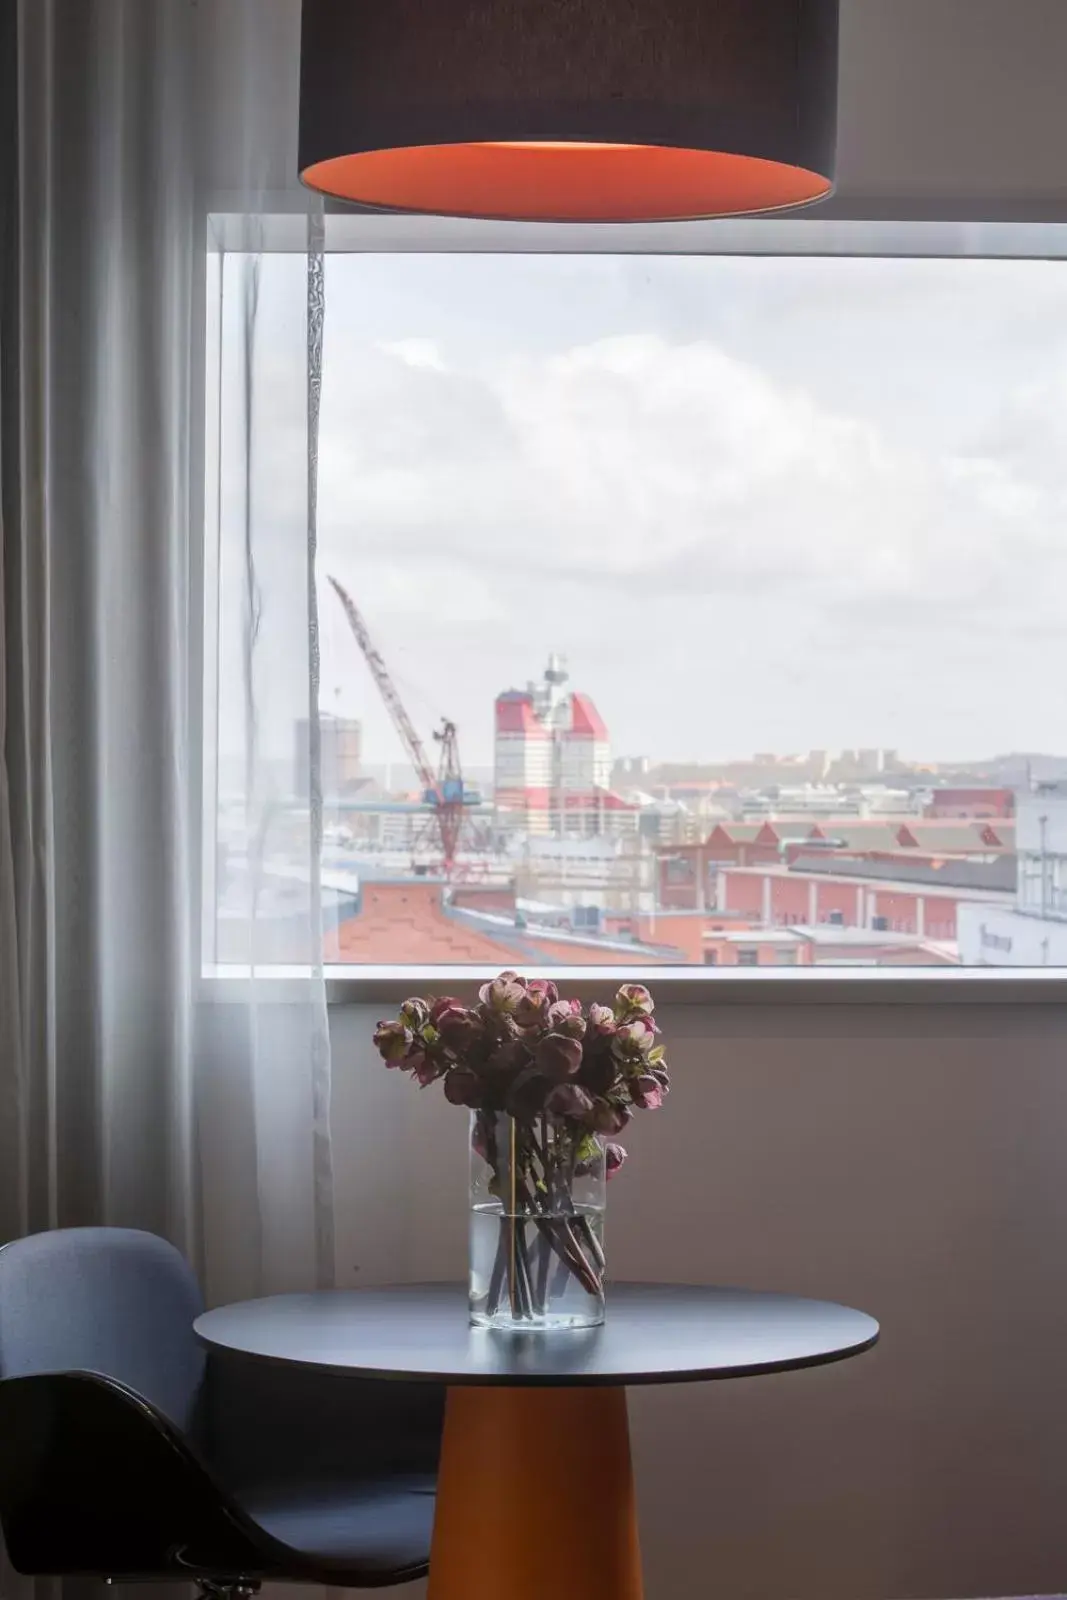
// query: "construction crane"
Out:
[444,790]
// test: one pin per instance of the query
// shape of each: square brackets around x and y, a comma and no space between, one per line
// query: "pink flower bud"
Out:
[614,1157]
[601,1019]
[463,1087]
[633,1040]
[415,1014]
[423,1068]
[566,1017]
[558,1057]
[393,1041]
[456,1025]
[530,1010]
[647,1093]
[633,999]
[609,1117]
[569,1100]
[545,988]
[503,994]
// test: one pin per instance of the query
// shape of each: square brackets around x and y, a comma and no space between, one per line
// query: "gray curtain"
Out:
[99,249]
[122,120]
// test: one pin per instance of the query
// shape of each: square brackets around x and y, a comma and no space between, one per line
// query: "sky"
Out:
[759,504]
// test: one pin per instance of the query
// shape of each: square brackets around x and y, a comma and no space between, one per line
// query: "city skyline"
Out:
[759,504]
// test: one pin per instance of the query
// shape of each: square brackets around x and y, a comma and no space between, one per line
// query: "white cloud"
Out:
[667,463]
[771,504]
[415,353]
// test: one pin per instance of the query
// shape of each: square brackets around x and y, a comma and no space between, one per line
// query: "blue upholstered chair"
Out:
[127,1452]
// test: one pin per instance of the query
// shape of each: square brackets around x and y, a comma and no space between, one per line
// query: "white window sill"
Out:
[678,986]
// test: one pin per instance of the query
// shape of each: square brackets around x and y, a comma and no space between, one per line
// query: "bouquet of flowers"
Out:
[569,1079]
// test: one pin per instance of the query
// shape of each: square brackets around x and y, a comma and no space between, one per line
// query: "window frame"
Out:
[279,225]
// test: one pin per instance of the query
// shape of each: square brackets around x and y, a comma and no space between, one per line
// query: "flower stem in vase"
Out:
[596,1249]
[525,1277]
[572,1259]
[496,1279]
[544,1263]
[584,1271]
[512,1280]
[563,1272]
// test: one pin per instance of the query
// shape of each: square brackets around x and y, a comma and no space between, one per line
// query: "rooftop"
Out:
[954,873]
[769,830]
[903,878]
[854,945]
[850,834]
[407,923]
[961,838]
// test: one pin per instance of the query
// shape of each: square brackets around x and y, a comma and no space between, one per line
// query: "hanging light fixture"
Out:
[570,110]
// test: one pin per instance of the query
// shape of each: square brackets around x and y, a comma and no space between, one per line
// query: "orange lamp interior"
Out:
[560,182]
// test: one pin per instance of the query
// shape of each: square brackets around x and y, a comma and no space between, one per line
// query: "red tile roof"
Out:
[407,924]
[586,721]
[515,714]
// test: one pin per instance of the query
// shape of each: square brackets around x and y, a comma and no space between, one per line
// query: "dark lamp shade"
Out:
[570,110]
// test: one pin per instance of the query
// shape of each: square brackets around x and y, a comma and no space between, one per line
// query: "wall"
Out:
[906,1160]
[970,129]
[811,898]
[771,951]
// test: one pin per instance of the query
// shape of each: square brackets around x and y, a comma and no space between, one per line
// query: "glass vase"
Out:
[536,1223]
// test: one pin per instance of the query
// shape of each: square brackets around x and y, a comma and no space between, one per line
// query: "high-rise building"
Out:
[341,755]
[552,769]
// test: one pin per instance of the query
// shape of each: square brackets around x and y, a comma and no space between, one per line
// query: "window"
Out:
[738,578]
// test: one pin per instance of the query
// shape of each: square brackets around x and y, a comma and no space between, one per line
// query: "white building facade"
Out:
[1034,932]
[552,766]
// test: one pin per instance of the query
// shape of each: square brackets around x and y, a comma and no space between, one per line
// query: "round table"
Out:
[535,1493]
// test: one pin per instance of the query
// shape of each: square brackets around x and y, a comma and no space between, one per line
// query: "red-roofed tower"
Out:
[553,757]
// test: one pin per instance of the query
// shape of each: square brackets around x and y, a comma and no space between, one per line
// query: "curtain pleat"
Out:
[97,357]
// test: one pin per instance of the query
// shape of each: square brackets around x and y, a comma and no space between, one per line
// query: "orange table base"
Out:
[535,1497]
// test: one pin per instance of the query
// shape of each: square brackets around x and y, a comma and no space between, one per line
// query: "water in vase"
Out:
[536,1271]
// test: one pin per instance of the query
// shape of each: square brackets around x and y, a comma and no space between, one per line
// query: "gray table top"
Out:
[654,1333]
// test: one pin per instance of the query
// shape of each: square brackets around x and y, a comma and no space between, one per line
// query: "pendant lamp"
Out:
[570,110]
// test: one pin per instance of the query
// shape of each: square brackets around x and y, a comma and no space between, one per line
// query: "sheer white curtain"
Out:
[129,1093]
[265,314]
